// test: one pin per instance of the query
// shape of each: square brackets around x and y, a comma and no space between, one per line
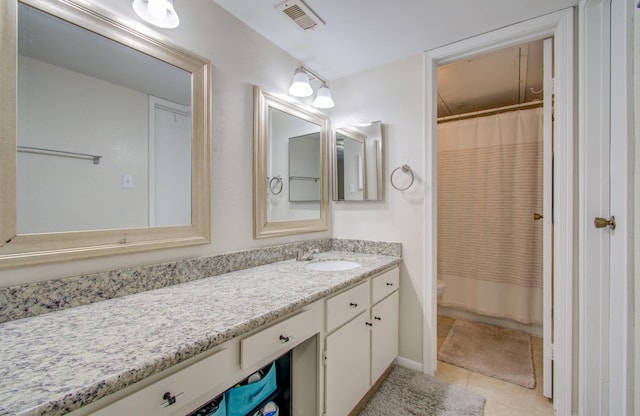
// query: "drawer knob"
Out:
[353,305]
[368,324]
[285,339]
[389,284]
[170,398]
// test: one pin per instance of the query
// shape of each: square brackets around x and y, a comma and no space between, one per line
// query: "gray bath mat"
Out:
[411,393]
[490,350]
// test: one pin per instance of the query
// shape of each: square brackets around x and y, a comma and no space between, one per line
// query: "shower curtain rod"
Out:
[490,111]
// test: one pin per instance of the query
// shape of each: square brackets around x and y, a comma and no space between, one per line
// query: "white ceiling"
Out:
[363,34]
[49,39]
[506,77]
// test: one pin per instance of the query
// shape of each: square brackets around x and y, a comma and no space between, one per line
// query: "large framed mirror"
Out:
[357,162]
[290,167]
[105,137]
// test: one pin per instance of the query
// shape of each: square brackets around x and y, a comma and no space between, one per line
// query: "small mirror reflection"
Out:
[357,165]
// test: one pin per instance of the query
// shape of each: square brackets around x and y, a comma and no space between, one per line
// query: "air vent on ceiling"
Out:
[300,14]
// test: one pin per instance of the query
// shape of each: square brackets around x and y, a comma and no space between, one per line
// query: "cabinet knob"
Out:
[377,318]
[368,324]
[389,284]
[169,398]
[353,305]
[285,339]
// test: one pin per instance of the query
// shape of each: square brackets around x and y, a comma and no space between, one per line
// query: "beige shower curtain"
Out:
[489,186]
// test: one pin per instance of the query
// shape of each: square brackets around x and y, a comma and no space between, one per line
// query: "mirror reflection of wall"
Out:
[79,92]
[294,155]
[357,164]
[350,161]
[304,168]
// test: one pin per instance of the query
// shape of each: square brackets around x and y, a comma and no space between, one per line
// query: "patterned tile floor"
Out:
[503,398]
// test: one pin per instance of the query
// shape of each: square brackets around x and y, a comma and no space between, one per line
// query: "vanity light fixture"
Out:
[300,87]
[157,12]
[323,97]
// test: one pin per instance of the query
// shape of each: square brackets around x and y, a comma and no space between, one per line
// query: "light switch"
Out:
[127,181]
[352,187]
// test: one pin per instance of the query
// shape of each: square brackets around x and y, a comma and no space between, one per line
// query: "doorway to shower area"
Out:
[494,244]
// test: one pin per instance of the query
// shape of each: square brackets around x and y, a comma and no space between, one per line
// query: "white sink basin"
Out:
[332,265]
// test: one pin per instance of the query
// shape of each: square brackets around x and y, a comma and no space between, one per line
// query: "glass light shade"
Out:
[323,98]
[157,9]
[300,86]
[157,12]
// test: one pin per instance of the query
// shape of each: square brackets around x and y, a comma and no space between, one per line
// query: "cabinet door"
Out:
[384,335]
[347,366]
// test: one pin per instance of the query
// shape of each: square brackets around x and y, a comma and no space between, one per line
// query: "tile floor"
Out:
[502,398]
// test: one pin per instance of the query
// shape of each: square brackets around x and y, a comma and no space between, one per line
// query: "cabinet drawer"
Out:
[346,305]
[186,385]
[385,284]
[276,339]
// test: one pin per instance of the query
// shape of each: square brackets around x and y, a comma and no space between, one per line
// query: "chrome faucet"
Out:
[306,256]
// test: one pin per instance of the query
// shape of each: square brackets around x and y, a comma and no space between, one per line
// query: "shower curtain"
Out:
[489,186]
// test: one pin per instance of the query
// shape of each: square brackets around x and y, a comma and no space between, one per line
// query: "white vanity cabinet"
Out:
[337,348]
[362,347]
[197,381]
[384,317]
[347,353]
[384,335]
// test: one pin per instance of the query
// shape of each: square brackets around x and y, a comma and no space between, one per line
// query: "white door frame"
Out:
[560,26]
[621,339]
[605,266]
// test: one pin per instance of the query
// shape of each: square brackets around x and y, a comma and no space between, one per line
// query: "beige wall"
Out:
[58,110]
[394,94]
[240,58]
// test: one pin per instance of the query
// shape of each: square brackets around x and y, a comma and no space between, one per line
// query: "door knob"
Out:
[537,216]
[603,222]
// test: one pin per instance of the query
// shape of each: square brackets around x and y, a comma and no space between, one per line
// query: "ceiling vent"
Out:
[300,14]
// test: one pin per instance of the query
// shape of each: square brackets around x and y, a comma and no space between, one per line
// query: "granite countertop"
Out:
[61,361]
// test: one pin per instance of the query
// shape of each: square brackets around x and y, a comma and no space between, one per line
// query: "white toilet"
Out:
[441,286]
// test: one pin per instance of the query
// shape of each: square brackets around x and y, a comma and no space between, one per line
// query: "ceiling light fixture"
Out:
[300,87]
[157,12]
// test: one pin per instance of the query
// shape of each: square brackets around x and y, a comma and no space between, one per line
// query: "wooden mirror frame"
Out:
[263,227]
[30,249]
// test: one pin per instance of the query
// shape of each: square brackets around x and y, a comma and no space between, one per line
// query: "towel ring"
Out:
[278,180]
[405,169]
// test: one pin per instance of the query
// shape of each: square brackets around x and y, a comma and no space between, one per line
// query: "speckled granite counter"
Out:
[61,361]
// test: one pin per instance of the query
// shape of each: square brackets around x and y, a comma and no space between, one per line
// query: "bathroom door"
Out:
[547,221]
[169,163]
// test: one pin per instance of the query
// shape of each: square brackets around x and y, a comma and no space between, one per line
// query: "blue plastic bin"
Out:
[222,408]
[242,399]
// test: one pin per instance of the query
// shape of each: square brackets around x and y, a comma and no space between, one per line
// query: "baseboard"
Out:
[407,363]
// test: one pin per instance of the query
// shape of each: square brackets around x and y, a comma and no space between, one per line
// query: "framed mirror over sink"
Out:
[290,167]
[110,151]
